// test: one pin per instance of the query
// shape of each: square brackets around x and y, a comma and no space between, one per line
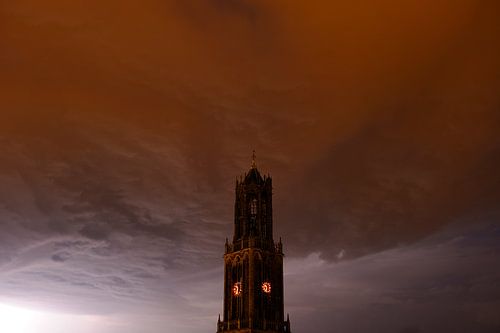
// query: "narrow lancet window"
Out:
[253,207]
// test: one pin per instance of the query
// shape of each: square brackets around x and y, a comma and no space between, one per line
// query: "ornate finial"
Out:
[254,165]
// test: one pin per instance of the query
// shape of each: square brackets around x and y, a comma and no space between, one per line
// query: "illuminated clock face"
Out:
[237,289]
[266,287]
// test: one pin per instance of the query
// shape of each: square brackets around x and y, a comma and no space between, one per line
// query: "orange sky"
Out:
[378,120]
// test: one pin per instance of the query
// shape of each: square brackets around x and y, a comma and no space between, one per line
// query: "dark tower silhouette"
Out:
[253,262]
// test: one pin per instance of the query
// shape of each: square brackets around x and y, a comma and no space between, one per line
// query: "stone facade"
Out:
[253,263]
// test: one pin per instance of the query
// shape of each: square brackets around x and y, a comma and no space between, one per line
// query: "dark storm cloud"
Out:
[445,282]
[123,126]
[219,8]
[376,192]
[97,238]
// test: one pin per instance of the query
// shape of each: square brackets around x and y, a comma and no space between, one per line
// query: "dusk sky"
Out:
[124,124]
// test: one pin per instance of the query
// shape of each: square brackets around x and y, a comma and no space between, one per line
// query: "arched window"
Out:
[253,207]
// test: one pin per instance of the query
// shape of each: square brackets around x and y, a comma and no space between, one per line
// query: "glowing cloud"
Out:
[17,320]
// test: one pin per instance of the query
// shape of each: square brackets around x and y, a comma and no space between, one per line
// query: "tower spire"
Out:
[253,262]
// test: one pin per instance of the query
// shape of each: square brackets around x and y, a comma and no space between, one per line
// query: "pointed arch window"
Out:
[253,207]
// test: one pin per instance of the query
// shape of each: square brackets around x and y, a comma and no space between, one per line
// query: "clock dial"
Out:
[266,287]
[237,289]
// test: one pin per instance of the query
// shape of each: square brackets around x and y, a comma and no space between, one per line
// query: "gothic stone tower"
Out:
[253,263]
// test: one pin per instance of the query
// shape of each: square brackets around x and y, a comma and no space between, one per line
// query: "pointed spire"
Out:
[254,165]
[253,175]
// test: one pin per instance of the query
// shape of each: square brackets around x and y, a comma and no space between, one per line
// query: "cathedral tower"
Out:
[253,263]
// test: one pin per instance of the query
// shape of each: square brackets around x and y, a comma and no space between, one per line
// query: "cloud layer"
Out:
[123,126]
